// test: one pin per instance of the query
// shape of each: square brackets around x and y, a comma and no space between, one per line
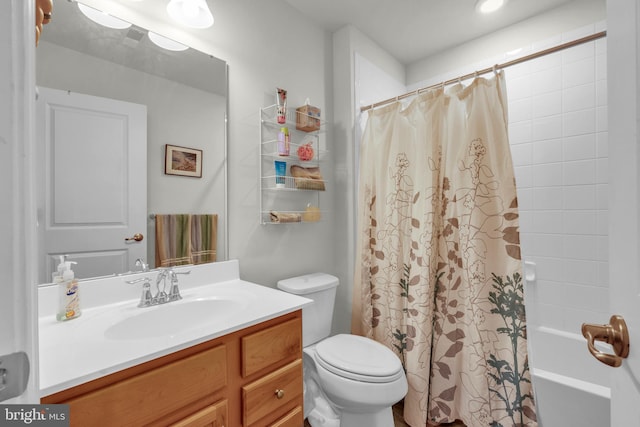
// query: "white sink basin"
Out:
[173,318]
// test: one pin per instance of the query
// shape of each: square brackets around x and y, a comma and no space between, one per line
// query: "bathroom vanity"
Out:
[243,368]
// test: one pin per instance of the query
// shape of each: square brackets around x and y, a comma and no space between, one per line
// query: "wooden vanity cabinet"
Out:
[249,378]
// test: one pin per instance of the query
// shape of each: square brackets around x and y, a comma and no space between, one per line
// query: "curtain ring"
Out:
[495,69]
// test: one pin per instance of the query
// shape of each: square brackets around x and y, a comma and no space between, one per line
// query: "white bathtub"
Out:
[571,387]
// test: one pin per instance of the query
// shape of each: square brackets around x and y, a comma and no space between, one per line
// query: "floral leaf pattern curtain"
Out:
[439,276]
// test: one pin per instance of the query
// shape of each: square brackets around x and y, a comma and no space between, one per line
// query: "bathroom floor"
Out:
[398,421]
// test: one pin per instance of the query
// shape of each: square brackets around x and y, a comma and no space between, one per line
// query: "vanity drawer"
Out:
[270,346]
[262,398]
[212,416]
[144,398]
[295,418]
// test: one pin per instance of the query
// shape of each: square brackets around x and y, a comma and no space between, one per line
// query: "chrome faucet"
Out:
[143,265]
[161,297]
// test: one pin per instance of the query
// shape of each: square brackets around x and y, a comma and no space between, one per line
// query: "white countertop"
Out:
[83,349]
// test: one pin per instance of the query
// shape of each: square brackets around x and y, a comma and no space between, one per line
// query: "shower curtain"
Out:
[438,272]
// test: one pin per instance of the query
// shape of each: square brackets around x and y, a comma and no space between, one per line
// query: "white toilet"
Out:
[350,381]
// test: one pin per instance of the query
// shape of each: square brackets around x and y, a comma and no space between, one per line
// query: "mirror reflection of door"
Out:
[92,182]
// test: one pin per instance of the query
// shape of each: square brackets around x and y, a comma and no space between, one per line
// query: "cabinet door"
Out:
[211,416]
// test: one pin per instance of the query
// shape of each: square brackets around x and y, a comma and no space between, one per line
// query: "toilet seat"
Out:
[358,358]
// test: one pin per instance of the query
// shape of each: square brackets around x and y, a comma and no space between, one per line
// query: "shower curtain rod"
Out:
[525,58]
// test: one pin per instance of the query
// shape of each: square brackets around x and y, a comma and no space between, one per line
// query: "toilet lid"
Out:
[358,358]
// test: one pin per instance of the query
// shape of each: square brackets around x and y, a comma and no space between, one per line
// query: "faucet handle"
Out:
[174,292]
[145,298]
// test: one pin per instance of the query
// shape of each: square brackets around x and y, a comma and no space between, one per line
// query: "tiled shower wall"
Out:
[558,136]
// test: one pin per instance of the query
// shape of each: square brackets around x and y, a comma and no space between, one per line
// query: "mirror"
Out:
[185,94]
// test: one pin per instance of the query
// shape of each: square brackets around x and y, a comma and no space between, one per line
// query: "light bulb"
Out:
[191,13]
[488,6]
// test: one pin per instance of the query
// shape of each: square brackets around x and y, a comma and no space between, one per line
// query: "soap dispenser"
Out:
[68,291]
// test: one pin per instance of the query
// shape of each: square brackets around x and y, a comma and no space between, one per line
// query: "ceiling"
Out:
[411,30]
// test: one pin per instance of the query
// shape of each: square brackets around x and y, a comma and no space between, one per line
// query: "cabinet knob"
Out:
[279,393]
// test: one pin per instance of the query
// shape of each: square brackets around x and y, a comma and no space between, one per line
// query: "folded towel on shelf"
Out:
[280,217]
[307,178]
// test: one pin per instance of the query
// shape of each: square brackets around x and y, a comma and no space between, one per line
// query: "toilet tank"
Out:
[316,317]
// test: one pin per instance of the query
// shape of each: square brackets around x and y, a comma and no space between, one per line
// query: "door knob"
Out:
[137,237]
[615,334]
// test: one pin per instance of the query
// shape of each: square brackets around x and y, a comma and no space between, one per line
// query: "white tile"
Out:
[601,44]
[548,245]
[547,43]
[578,122]
[579,172]
[602,170]
[547,127]
[546,80]
[579,247]
[603,274]
[578,53]
[549,268]
[579,222]
[553,60]
[579,271]
[525,221]
[602,248]
[579,197]
[546,104]
[602,196]
[579,147]
[517,70]
[602,223]
[551,315]
[579,97]
[519,88]
[601,93]
[520,110]
[601,68]
[602,144]
[547,222]
[525,198]
[524,176]
[547,198]
[578,33]
[547,175]
[522,154]
[602,120]
[520,133]
[547,151]
[578,72]
[551,292]
[589,298]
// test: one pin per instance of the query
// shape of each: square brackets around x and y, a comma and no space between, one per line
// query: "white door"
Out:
[624,199]
[18,303]
[92,192]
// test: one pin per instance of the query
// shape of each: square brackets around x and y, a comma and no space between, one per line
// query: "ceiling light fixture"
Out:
[191,13]
[103,18]
[166,43]
[488,6]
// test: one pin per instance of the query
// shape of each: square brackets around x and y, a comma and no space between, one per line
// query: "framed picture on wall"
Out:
[182,161]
